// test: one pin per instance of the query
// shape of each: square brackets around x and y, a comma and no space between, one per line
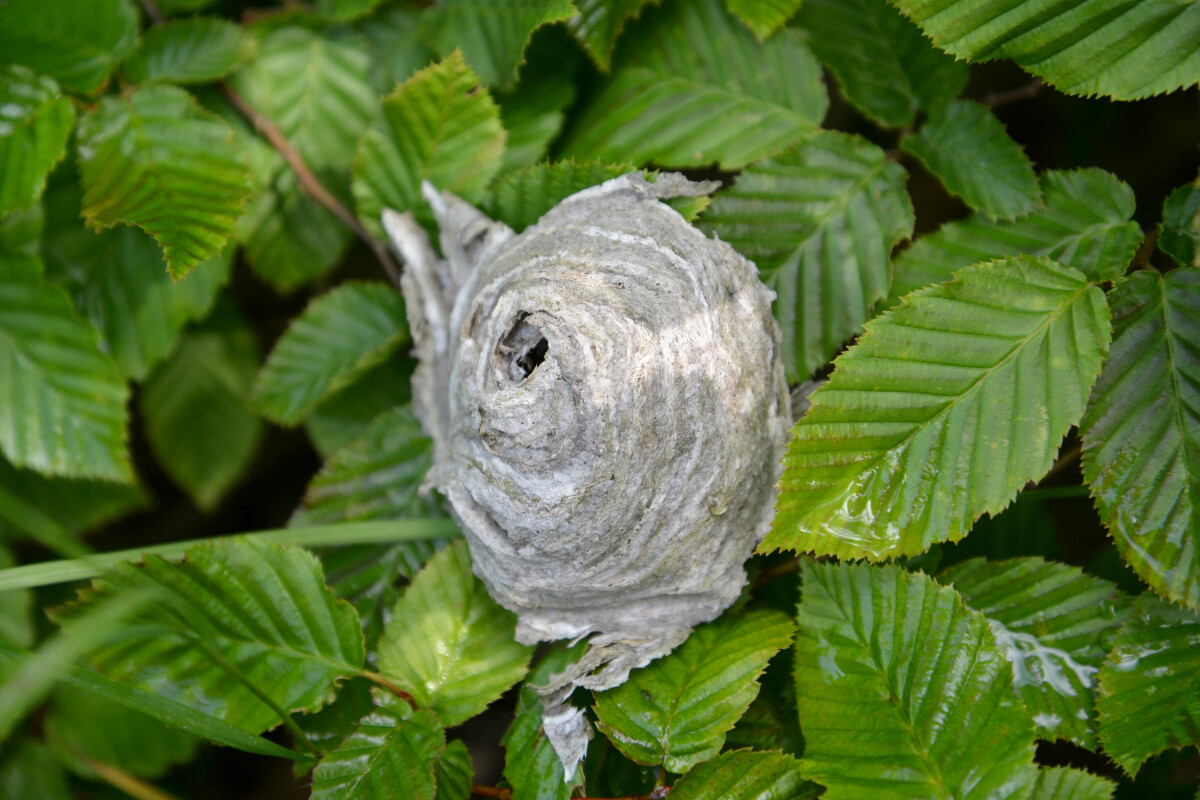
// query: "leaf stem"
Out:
[375,677]
[308,181]
[154,12]
[119,778]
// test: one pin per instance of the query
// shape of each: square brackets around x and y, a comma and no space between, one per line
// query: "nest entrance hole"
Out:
[520,351]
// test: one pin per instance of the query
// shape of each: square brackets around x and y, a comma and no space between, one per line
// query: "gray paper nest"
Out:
[608,409]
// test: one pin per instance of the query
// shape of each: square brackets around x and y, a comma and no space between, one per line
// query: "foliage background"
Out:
[218,443]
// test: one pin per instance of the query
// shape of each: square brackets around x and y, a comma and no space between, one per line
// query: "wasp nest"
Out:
[608,409]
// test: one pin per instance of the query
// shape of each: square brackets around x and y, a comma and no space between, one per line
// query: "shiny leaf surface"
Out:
[33,135]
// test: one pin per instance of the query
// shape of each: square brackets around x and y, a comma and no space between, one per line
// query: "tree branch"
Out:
[309,182]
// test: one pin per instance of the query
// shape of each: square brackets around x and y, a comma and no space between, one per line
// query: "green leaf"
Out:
[1061,783]
[764,17]
[689,82]
[385,757]
[376,477]
[904,692]
[519,199]
[1149,696]
[534,112]
[340,336]
[33,135]
[395,43]
[599,23]
[820,221]
[946,407]
[82,724]
[1141,435]
[235,613]
[76,42]
[492,35]
[439,126]
[316,90]
[192,50]
[967,149]
[119,281]
[1053,622]
[154,159]
[886,68]
[1180,234]
[746,775]
[1085,224]
[346,416]
[448,644]
[21,233]
[27,683]
[73,506]
[62,405]
[342,10]
[677,710]
[31,771]
[1136,49]
[289,238]
[454,772]
[174,713]
[195,407]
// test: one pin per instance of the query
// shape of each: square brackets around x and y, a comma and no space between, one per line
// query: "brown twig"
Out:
[1142,256]
[309,182]
[771,573]
[997,99]
[154,12]
[1065,460]
[375,677]
[129,784]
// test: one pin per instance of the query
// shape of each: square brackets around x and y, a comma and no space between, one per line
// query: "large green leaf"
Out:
[154,159]
[62,404]
[439,126]
[72,506]
[689,83]
[903,692]
[289,239]
[947,406]
[677,710]
[1086,224]
[346,416]
[764,17]
[16,620]
[386,756]
[1149,696]
[1141,435]
[886,68]
[492,35]
[746,775]
[375,477]
[76,42]
[33,135]
[519,199]
[79,723]
[1180,232]
[345,9]
[317,91]
[395,43]
[1061,783]
[119,281]
[337,339]
[192,50]
[236,613]
[534,112]
[967,149]
[196,410]
[820,221]
[448,644]
[31,771]
[1053,622]
[600,22]
[1129,50]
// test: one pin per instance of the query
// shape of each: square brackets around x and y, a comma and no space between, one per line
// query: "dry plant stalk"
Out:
[608,408]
